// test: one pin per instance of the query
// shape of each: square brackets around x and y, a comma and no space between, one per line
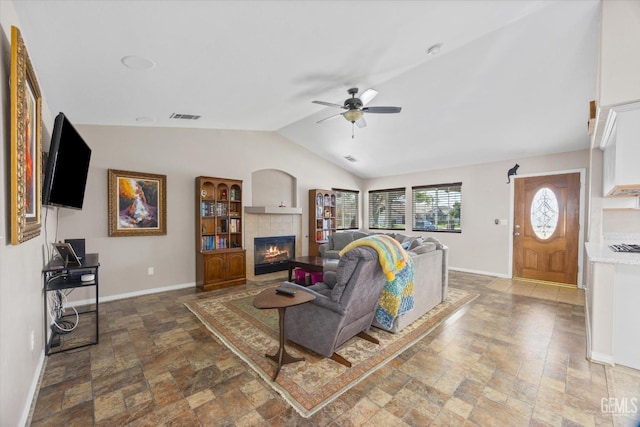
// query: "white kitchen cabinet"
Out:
[612,301]
[621,146]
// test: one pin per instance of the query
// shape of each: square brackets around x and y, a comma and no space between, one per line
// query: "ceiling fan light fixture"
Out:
[353,115]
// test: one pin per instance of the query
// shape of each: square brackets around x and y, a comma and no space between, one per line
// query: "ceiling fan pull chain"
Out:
[353,134]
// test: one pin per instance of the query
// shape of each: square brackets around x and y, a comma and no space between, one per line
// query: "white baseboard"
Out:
[80,303]
[486,273]
[602,358]
[33,391]
[587,323]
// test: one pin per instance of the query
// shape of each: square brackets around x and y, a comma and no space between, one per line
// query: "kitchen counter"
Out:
[612,301]
[600,252]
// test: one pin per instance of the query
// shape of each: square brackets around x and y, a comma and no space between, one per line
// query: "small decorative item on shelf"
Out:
[327,213]
[224,195]
[282,205]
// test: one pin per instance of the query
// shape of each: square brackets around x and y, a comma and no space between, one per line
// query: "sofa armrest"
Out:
[445,272]
[321,300]
[322,249]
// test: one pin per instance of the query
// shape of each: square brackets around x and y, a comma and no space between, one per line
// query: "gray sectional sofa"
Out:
[430,264]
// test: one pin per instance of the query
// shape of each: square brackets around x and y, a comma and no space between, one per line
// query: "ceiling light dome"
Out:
[352,115]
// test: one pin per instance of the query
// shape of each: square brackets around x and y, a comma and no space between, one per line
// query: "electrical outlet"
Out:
[150,271]
[33,340]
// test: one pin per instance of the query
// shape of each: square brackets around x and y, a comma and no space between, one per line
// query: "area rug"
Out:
[309,385]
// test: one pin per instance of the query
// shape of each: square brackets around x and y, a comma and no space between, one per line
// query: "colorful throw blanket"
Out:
[397,295]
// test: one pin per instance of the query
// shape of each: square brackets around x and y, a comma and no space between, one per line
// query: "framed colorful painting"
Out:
[26,149]
[137,204]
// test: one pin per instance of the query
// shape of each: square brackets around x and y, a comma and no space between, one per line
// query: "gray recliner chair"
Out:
[341,310]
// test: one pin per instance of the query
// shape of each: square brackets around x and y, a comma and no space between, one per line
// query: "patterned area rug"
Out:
[309,385]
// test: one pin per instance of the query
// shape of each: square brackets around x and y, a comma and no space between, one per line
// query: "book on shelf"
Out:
[221,209]
[208,209]
[210,243]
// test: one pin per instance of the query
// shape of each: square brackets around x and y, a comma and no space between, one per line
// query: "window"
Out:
[387,209]
[347,214]
[437,207]
[544,213]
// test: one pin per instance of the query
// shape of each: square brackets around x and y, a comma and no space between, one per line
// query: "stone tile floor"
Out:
[513,357]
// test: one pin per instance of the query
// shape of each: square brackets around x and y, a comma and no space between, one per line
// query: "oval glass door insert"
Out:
[544,213]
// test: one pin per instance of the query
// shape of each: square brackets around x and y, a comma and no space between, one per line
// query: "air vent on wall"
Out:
[184,116]
[350,158]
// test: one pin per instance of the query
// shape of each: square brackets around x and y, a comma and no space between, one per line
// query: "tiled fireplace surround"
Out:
[268,225]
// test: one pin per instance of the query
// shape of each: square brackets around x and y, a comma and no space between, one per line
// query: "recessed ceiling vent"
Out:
[350,158]
[184,116]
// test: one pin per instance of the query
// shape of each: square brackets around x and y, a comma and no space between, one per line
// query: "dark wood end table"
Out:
[310,263]
[270,299]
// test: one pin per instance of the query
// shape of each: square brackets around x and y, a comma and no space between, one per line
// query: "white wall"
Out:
[182,155]
[21,309]
[483,246]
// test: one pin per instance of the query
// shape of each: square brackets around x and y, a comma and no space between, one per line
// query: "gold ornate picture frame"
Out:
[26,148]
[137,204]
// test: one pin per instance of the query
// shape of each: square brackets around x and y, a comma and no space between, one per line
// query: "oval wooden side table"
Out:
[270,299]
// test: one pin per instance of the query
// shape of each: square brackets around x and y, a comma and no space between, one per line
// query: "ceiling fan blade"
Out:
[330,117]
[328,104]
[381,109]
[368,95]
[361,122]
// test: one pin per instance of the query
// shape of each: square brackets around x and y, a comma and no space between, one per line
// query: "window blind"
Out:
[347,213]
[387,209]
[437,207]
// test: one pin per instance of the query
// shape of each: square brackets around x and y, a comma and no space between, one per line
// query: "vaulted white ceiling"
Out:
[512,79]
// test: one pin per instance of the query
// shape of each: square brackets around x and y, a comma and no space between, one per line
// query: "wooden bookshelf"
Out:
[322,218]
[220,257]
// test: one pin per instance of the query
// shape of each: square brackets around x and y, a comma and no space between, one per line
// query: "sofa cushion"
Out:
[415,242]
[340,240]
[329,276]
[437,242]
[424,248]
[401,238]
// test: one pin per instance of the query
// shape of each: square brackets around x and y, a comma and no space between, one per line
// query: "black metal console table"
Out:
[76,330]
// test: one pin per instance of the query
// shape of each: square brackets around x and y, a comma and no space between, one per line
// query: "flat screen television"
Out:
[65,177]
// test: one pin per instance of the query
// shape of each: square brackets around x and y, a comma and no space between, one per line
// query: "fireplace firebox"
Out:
[272,254]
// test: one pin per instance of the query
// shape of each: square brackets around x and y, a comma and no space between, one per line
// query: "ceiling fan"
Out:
[355,108]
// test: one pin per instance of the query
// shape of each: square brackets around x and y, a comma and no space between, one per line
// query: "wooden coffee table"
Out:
[270,299]
[309,263]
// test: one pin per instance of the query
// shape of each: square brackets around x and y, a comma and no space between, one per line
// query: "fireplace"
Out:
[272,254]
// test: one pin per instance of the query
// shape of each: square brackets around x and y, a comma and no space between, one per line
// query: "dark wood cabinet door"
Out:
[214,268]
[236,265]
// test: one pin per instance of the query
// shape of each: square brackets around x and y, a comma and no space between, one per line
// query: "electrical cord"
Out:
[57,308]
